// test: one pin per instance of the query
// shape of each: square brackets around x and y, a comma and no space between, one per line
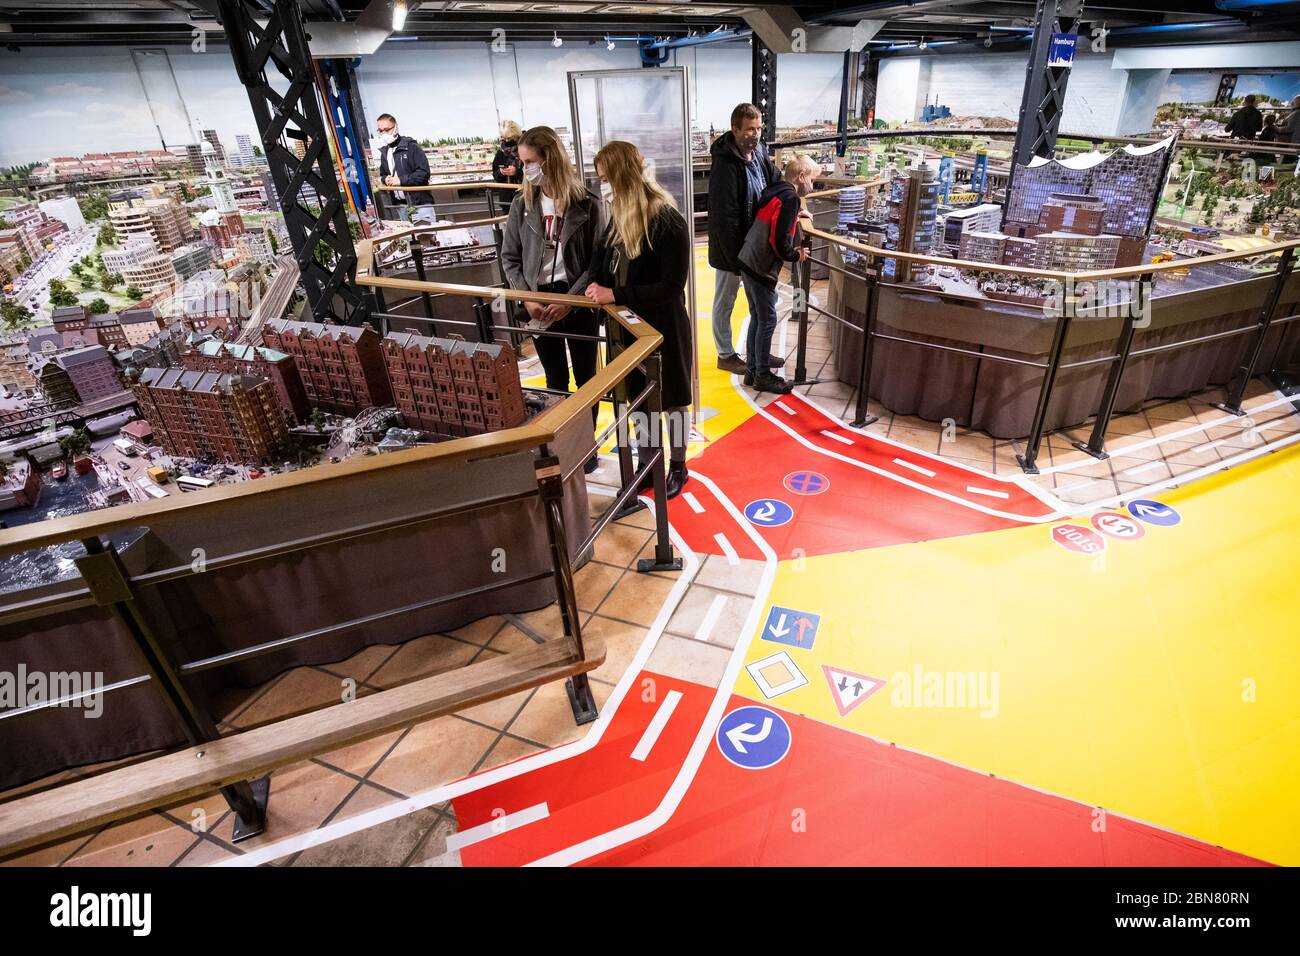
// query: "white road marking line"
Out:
[984,491]
[657,725]
[732,557]
[498,825]
[784,407]
[1142,469]
[1077,485]
[705,630]
[694,502]
[1202,449]
[917,468]
[840,438]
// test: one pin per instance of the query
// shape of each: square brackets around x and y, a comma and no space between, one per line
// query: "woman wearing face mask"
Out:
[505,164]
[549,240]
[642,261]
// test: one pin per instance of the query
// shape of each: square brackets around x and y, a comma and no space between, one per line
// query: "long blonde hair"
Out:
[557,171]
[638,199]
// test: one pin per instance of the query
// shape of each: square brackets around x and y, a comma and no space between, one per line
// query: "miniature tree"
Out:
[60,294]
[99,307]
[78,443]
[134,294]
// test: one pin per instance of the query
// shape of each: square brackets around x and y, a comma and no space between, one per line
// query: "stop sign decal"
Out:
[1080,540]
[1118,525]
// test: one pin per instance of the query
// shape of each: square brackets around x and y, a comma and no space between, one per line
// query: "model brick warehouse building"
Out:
[341,366]
[259,361]
[451,387]
[193,413]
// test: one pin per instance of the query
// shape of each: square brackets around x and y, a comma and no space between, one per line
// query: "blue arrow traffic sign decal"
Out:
[1153,512]
[768,512]
[788,625]
[754,738]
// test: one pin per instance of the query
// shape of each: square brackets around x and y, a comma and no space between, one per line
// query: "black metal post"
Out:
[763,83]
[801,273]
[861,418]
[550,484]
[102,570]
[663,559]
[483,319]
[1237,388]
[622,436]
[314,210]
[417,259]
[1095,445]
[842,124]
[1028,459]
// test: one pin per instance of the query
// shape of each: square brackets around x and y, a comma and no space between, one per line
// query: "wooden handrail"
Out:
[1076,277]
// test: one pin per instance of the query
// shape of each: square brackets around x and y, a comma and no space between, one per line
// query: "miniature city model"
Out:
[454,388]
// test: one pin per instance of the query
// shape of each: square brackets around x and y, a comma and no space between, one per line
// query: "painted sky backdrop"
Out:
[1201,86]
[71,101]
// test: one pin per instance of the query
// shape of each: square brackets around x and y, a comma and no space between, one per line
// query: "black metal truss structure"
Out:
[308,189]
[764,87]
[1044,96]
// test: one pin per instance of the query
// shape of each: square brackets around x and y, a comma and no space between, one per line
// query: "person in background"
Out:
[402,163]
[1246,122]
[642,262]
[770,244]
[548,246]
[741,169]
[506,167]
[1269,133]
[1289,127]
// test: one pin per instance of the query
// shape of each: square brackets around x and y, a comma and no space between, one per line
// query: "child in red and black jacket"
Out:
[770,244]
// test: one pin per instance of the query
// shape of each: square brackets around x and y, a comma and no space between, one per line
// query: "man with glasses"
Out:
[402,163]
[741,170]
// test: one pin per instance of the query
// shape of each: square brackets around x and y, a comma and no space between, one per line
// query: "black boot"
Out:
[677,477]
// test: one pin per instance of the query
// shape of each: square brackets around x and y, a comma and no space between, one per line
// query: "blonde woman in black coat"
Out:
[643,261]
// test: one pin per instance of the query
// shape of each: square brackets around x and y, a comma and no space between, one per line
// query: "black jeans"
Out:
[551,349]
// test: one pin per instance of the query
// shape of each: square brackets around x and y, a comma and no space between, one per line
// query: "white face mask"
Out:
[606,192]
[533,173]
[386,139]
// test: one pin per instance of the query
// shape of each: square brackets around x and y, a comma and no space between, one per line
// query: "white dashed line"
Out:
[984,491]
[839,438]
[784,407]
[732,557]
[705,630]
[657,725]
[1209,445]
[917,468]
[693,502]
[511,821]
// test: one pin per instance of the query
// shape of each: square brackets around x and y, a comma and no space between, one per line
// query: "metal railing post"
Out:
[861,419]
[802,275]
[417,258]
[663,559]
[1028,459]
[622,436]
[483,319]
[1237,388]
[110,585]
[550,486]
[1095,445]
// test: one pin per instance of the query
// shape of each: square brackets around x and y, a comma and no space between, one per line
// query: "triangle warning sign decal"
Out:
[849,689]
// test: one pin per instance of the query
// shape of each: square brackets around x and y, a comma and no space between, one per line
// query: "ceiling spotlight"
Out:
[988,41]
[609,44]
[557,41]
[922,43]
[399,14]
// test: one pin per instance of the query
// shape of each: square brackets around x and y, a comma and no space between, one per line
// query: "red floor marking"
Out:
[839,799]
[594,792]
[861,509]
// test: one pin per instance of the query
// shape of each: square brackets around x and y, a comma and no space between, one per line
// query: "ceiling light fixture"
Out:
[557,41]
[609,44]
[399,14]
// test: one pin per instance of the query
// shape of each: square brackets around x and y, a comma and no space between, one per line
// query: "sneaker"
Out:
[767,382]
[732,364]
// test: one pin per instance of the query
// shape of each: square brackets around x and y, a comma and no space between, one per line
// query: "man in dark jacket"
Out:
[1246,122]
[402,163]
[770,244]
[740,171]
